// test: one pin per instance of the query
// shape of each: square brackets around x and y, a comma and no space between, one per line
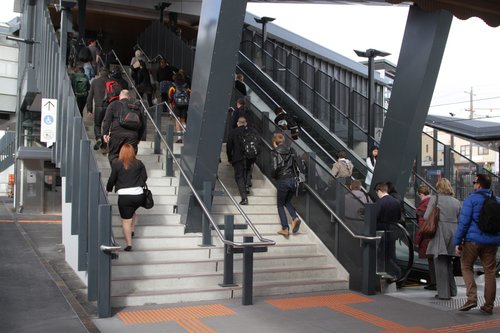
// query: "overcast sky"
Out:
[470,59]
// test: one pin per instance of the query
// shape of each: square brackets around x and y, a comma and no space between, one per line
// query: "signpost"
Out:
[49,121]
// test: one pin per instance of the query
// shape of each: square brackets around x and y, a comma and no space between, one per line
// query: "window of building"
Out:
[465,150]
[427,148]
[482,150]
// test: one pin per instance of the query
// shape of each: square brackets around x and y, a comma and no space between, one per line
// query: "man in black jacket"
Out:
[284,169]
[389,215]
[241,164]
[115,134]
[95,97]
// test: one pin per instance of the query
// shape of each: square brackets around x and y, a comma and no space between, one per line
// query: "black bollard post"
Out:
[247,297]
[228,278]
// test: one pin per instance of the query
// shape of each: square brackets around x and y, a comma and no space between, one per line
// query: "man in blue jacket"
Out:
[470,243]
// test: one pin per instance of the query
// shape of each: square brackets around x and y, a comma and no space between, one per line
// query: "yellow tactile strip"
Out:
[340,303]
[186,316]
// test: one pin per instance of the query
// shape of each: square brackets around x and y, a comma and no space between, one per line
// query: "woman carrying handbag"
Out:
[128,177]
[440,246]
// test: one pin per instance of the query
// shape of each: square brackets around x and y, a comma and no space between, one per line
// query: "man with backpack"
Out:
[179,94]
[80,85]
[478,235]
[242,148]
[124,122]
[97,93]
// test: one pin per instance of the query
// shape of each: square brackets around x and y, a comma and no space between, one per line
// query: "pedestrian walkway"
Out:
[40,293]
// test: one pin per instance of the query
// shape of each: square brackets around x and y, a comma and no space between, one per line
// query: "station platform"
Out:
[40,293]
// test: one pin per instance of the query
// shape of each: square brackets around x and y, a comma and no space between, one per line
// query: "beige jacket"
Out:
[342,168]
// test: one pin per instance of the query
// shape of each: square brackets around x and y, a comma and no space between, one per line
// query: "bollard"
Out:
[205,223]
[247,297]
[228,278]
[170,158]
[157,143]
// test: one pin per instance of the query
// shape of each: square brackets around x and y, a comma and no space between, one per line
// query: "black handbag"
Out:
[148,202]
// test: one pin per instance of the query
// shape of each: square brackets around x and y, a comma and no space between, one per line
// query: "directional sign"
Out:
[49,121]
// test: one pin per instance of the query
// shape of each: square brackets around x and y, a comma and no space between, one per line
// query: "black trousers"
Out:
[242,175]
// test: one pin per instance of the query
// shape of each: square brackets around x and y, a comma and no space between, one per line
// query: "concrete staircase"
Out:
[168,266]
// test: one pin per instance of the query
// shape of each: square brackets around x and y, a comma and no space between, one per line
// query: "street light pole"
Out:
[371,54]
[263,20]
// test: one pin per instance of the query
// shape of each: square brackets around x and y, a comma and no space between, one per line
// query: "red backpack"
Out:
[113,89]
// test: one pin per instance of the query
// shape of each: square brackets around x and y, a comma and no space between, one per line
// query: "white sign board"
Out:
[49,121]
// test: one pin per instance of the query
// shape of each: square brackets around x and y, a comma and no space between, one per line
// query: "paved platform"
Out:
[40,293]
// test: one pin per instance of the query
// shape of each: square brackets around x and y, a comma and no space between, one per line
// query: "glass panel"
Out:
[307,75]
[323,85]
[307,98]
[360,110]
[341,96]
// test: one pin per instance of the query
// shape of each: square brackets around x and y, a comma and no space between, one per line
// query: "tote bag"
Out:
[148,202]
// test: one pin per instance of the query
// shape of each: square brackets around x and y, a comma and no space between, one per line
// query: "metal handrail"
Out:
[244,215]
[172,113]
[325,205]
[262,243]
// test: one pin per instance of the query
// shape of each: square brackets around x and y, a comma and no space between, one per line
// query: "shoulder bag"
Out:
[148,202]
[429,227]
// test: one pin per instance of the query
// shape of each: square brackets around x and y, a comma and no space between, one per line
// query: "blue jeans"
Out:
[286,191]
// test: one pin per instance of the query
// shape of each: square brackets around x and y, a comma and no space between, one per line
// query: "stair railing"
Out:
[262,243]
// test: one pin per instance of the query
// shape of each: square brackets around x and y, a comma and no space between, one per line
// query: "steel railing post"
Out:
[83,204]
[93,216]
[170,159]
[247,297]
[369,276]
[157,149]
[228,277]
[104,263]
[205,224]
[75,171]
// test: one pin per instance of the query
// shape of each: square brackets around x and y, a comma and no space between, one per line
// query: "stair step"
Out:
[152,269]
[197,252]
[150,219]
[207,279]
[217,292]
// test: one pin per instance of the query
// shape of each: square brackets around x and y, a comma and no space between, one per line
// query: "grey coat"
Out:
[442,243]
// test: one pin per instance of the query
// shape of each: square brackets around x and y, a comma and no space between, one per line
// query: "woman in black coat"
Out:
[128,177]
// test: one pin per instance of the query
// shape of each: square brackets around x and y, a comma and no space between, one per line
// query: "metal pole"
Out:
[369,251]
[228,277]
[75,171]
[157,149]
[83,205]
[104,263]
[263,46]
[92,270]
[247,296]
[371,100]
[205,225]
[169,170]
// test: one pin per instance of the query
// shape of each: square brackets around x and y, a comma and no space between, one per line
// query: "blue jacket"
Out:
[468,229]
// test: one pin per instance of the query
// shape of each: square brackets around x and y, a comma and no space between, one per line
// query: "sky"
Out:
[470,58]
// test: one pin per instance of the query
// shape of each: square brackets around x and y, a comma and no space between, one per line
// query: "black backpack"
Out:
[489,217]
[250,143]
[84,54]
[130,116]
[181,95]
